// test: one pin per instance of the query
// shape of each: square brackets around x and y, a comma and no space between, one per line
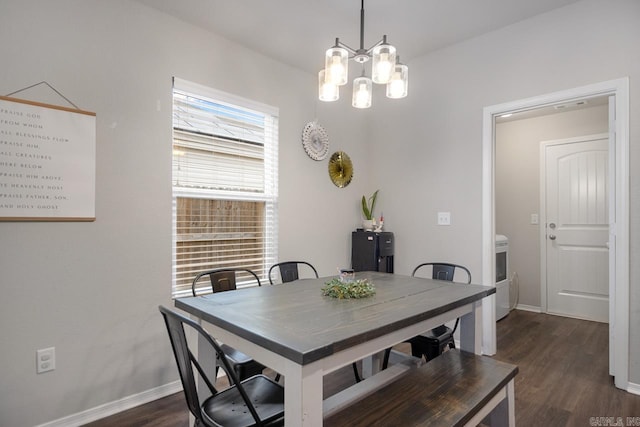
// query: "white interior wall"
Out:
[428,154]
[92,289]
[518,185]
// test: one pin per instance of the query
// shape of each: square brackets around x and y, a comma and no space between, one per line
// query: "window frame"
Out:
[269,195]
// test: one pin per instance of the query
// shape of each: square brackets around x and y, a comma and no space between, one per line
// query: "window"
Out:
[224,184]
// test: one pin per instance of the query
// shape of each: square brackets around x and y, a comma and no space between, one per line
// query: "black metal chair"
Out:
[432,344]
[289,270]
[224,279]
[255,401]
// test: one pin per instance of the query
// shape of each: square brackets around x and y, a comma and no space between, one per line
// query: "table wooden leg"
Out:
[303,397]
[471,329]
[371,365]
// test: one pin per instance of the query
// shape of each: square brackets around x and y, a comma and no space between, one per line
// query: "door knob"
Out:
[552,236]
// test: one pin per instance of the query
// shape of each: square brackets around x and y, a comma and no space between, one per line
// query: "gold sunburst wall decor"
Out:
[340,169]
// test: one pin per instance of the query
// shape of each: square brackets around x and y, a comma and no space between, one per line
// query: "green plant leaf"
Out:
[365,209]
[373,203]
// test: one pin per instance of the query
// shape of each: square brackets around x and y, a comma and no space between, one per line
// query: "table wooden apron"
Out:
[303,335]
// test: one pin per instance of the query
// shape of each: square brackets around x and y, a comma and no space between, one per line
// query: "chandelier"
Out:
[385,69]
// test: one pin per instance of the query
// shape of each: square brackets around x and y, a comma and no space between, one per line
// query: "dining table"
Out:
[304,335]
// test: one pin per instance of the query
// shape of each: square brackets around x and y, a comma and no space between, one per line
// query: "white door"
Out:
[577,227]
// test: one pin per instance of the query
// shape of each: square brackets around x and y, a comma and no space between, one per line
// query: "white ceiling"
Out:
[297,32]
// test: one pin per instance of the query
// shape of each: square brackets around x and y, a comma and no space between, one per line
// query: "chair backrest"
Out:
[289,270]
[185,360]
[443,271]
[222,279]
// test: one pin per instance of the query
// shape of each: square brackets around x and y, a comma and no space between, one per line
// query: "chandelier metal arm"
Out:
[356,51]
[383,40]
[349,48]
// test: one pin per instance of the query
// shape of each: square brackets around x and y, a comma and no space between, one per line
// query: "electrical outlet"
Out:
[45,360]
[444,218]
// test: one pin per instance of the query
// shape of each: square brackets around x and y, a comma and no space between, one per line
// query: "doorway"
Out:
[618,91]
[521,208]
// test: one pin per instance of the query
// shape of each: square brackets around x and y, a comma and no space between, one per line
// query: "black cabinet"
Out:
[371,251]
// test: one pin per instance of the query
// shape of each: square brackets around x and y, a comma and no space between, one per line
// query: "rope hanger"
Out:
[50,87]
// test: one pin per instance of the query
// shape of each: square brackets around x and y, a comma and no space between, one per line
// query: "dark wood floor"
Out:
[563,378]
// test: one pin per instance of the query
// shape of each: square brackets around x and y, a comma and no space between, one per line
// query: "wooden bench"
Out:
[455,389]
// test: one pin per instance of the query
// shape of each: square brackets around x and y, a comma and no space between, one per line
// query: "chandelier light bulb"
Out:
[327,91]
[336,65]
[384,61]
[361,92]
[398,86]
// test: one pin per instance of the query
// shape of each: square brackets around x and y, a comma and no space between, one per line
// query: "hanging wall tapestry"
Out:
[47,162]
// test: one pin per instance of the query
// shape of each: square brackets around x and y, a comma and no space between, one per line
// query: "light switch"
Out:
[534,218]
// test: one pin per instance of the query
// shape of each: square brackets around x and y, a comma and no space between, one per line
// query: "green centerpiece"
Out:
[336,288]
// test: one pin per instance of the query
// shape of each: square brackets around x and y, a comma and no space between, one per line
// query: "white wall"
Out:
[92,289]
[517,167]
[428,154]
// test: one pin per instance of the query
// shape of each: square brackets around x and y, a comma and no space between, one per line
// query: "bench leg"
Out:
[503,414]
[509,406]
[499,411]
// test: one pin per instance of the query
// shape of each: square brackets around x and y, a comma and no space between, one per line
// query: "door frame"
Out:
[542,235]
[619,223]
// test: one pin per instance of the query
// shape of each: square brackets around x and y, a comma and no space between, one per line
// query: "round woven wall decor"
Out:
[315,141]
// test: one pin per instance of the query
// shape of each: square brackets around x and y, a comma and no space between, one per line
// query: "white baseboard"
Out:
[633,388]
[114,407]
[525,307]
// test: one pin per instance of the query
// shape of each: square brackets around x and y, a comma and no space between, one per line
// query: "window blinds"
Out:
[224,184]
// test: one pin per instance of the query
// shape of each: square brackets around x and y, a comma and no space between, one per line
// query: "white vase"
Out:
[367,224]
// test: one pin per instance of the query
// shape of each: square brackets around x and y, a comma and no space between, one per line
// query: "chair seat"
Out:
[228,409]
[244,366]
[441,333]
[431,344]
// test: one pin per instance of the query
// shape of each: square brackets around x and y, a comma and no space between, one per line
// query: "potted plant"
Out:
[367,210]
